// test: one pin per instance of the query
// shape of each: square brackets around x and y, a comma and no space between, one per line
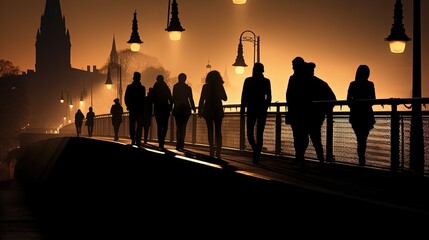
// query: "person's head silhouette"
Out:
[297,63]
[160,78]
[258,69]
[137,76]
[362,73]
[182,77]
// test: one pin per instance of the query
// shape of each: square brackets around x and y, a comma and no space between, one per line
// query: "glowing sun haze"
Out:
[337,35]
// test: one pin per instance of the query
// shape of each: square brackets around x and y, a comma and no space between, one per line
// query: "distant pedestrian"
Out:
[116,110]
[147,115]
[162,104]
[210,108]
[134,100]
[78,121]
[90,115]
[255,100]
[361,113]
[183,103]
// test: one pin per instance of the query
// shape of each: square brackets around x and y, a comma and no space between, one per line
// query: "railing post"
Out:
[278,146]
[329,136]
[394,138]
[194,128]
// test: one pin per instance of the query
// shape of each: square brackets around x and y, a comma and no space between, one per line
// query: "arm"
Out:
[191,100]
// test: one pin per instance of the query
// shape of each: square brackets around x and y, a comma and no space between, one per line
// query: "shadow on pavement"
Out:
[86,187]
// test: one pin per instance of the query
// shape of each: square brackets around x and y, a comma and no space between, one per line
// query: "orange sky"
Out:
[337,35]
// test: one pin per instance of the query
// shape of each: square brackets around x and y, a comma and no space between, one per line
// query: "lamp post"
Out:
[397,40]
[109,81]
[135,40]
[69,101]
[239,63]
[174,27]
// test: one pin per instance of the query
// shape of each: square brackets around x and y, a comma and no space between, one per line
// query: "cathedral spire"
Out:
[53,44]
[113,53]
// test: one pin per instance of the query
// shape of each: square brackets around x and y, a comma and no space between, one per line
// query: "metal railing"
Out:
[387,145]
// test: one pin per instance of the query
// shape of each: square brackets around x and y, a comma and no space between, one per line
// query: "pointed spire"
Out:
[113,52]
[53,46]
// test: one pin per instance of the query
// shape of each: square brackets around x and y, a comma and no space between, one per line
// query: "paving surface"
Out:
[75,188]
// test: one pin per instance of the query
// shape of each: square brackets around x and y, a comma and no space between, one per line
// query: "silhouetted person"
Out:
[116,110]
[361,114]
[319,91]
[134,101]
[210,107]
[90,115]
[78,121]
[162,105]
[147,116]
[255,100]
[183,104]
[298,102]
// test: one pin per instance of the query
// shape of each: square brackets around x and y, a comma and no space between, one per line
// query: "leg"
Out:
[132,128]
[361,137]
[300,141]
[250,125]
[260,127]
[146,132]
[316,139]
[139,130]
[209,123]
[218,136]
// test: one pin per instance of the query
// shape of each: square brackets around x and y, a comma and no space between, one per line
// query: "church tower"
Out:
[113,53]
[53,44]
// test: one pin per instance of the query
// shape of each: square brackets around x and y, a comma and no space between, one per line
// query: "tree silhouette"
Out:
[8,69]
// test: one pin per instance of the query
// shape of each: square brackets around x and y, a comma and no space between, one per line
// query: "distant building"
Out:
[53,77]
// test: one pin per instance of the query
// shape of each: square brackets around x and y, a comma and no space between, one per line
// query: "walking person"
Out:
[147,115]
[90,115]
[319,91]
[162,105]
[183,104]
[116,110]
[78,121]
[210,108]
[361,113]
[135,94]
[298,103]
[255,100]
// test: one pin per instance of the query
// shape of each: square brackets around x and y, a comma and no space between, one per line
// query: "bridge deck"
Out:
[334,186]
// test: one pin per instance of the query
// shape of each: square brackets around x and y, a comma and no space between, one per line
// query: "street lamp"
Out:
[69,100]
[174,27]
[239,1]
[108,82]
[239,61]
[135,40]
[81,98]
[398,37]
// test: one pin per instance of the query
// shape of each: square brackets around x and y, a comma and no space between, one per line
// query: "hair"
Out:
[258,69]
[214,77]
[362,73]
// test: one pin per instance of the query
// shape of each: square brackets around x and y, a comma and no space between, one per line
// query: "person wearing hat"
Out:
[255,100]
[116,110]
[135,94]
